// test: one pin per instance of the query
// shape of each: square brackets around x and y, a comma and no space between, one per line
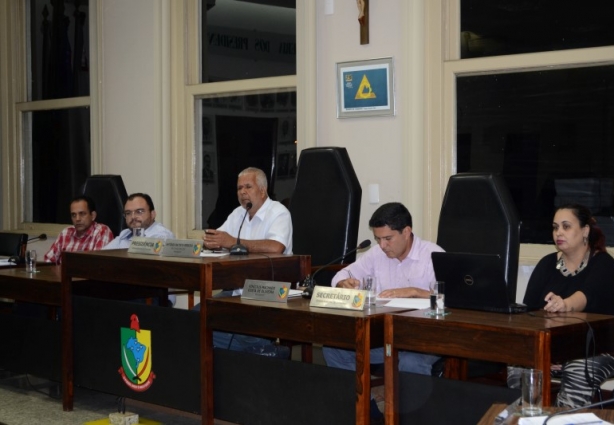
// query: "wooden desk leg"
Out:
[455,368]
[307,353]
[363,372]
[542,362]
[391,373]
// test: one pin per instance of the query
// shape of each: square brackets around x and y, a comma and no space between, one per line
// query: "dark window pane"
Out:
[60,161]
[551,134]
[244,40]
[256,130]
[507,27]
[59,49]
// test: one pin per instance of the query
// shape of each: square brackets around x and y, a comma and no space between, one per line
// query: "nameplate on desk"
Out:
[266,290]
[189,248]
[143,245]
[343,298]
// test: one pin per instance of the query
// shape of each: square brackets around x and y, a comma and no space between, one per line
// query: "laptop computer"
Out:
[475,282]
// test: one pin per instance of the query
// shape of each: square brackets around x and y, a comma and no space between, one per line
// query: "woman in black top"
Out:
[578,277]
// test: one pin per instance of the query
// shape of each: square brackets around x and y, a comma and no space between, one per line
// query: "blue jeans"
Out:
[235,342]
[409,361]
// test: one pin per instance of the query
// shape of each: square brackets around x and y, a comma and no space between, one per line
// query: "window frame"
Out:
[443,66]
[13,97]
[186,33]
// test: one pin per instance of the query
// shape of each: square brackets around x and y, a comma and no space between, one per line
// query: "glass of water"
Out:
[369,284]
[438,298]
[532,380]
[31,261]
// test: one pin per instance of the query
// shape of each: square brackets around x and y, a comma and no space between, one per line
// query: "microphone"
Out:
[41,237]
[575,409]
[19,259]
[311,281]
[239,248]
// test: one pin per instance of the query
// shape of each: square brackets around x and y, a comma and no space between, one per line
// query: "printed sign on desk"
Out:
[143,245]
[189,248]
[344,298]
[266,290]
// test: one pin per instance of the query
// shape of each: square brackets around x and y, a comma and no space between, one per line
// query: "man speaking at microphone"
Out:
[402,264]
[266,227]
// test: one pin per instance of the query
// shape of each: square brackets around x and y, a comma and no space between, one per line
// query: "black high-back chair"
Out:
[478,215]
[13,244]
[325,207]
[109,193]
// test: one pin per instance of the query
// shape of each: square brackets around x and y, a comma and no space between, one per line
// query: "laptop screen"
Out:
[473,281]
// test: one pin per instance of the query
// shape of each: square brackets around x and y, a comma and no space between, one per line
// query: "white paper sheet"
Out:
[417,303]
[572,419]
[295,293]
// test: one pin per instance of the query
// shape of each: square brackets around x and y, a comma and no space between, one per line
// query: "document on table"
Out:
[571,419]
[214,253]
[417,303]
[294,293]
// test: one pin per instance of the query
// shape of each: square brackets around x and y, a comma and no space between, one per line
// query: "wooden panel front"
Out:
[121,267]
[571,331]
[148,274]
[294,321]
[230,272]
[474,341]
[183,273]
[297,321]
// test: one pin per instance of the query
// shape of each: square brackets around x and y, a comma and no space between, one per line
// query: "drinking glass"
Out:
[532,392]
[31,261]
[369,284]
[438,298]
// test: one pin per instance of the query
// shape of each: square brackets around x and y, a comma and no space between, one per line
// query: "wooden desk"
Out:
[45,286]
[495,409]
[22,329]
[42,287]
[352,330]
[530,339]
[194,274]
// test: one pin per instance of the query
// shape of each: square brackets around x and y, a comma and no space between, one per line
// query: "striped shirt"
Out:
[97,236]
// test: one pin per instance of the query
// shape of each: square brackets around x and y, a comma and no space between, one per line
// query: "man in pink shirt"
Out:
[402,264]
[84,235]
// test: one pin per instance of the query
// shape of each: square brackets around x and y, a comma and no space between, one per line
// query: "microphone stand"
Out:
[41,237]
[239,248]
[20,259]
[311,281]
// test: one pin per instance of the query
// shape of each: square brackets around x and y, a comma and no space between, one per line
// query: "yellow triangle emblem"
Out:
[365,91]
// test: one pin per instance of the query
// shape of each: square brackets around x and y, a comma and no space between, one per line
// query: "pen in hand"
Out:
[352,277]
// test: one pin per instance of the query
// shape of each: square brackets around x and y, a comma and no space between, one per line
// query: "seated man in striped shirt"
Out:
[84,235]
